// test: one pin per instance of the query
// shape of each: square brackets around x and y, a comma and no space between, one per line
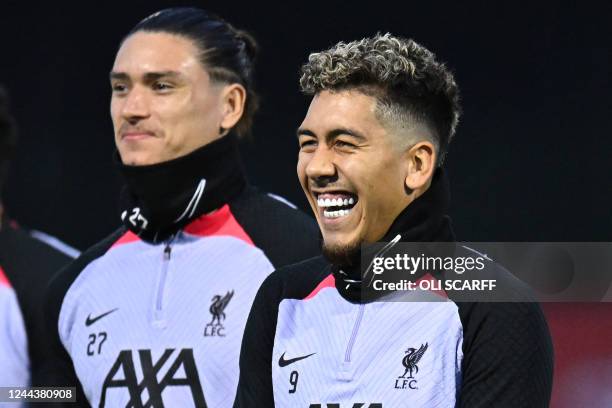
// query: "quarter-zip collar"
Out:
[160,199]
[423,220]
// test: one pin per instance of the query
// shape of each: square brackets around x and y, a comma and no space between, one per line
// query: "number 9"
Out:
[293,380]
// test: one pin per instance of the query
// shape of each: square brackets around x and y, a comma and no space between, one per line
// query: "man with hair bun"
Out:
[154,314]
[372,148]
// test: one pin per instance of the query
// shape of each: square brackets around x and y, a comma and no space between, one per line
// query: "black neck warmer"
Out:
[162,198]
[423,220]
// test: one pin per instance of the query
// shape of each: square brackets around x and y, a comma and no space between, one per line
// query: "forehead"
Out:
[341,109]
[155,52]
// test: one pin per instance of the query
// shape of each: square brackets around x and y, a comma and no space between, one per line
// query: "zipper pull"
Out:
[168,247]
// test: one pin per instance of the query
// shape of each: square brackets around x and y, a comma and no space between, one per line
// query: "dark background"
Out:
[531,160]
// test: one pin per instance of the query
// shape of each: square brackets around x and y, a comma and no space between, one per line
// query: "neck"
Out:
[162,198]
[425,219]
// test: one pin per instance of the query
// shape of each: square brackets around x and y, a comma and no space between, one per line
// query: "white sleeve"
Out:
[14,361]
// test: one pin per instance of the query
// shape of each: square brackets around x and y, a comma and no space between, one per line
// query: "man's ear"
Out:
[421,161]
[233,98]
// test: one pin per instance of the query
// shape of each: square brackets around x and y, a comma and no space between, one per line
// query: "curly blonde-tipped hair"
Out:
[410,85]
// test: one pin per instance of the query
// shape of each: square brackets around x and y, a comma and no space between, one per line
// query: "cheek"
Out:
[301,168]
[198,121]
[171,109]
[115,111]
[380,189]
[172,116]
[204,106]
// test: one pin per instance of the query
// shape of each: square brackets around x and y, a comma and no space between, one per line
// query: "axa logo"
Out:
[182,372]
[217,310]
[410,363]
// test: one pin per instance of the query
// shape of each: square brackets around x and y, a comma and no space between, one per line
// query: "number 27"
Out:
[92,341]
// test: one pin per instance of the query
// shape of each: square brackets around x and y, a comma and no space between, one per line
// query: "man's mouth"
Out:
[135,132]
[336,204]
[136,135]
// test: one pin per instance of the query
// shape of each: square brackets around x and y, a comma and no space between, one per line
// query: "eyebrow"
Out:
[148,77]
[333,134]
[304,132]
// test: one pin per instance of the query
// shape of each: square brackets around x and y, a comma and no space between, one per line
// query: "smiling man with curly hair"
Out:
[372,147]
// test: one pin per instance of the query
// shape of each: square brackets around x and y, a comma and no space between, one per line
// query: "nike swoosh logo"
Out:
[89,321]
[283,363]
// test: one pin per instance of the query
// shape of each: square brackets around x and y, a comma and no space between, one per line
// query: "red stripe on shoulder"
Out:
[434,284]
[328,282]
[126,238]
[3,279]
[219,223]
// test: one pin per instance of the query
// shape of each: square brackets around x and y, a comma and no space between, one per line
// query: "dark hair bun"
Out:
[250,45]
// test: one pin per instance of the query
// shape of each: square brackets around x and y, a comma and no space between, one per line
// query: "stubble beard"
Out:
[343,254]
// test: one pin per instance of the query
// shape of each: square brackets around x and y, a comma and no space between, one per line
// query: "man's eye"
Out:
[161,86]
[307,143]
[118,88]
[342,143]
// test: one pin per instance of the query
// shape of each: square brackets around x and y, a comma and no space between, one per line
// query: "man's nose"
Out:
[136,105]
[321,165]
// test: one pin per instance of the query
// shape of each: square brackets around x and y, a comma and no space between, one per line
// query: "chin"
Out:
[134,162]
[347,254]
[135,159]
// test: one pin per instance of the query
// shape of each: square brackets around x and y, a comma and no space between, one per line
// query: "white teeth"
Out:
[335,202]
[335,214]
